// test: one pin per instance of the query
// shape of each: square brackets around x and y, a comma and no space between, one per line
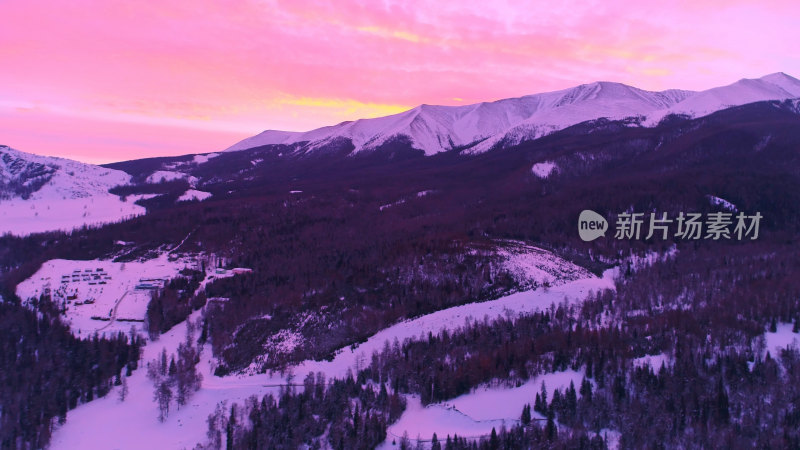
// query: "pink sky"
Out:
[102,81]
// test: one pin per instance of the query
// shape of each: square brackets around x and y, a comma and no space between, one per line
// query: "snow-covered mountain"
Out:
[39,193]
[776,86]
[482,126]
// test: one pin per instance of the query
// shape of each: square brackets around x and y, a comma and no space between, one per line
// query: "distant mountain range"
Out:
[482,126]
[39,193]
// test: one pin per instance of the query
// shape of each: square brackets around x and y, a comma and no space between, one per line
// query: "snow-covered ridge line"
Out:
[435,129]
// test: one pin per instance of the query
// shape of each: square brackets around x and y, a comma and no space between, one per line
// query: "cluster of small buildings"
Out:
[92,277]
[150,284]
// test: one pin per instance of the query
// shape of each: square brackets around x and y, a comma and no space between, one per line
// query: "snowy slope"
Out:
[160,176]
[434,129]
[39,193]
[473,415]
[109,423]
[777,86]
[100,295]
[193,194]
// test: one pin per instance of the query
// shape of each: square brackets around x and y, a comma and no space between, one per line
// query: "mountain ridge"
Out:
[480,126]
[43,193]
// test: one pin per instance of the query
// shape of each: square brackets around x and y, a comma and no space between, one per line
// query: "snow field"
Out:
[108,423]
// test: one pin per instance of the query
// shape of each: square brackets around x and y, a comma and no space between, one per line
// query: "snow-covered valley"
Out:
[109,423]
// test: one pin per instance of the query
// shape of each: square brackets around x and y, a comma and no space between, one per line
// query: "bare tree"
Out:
[123,389]
[163,396]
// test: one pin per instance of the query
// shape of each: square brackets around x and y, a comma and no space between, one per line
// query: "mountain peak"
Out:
[786,82]
[779,76]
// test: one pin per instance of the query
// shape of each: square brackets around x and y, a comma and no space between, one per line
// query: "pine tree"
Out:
[571,401]
[435,445]
[494,442]
[526,415]
[229,429]
[722,403]
[543,404]
[556,403]
[586,390]
[405,443]
[173,368]
[163,366]
[550,428]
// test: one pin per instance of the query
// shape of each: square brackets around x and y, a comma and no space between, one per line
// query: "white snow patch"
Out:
[474,415]
[389,205]
[490,403]
[202,159]
[718,201]
[419,194]
[782,338]
[284,342]
[193,194]
[133,198]
[533,266]
[161,176]
[638,262]
[543,169]
[611,437]
[654,361]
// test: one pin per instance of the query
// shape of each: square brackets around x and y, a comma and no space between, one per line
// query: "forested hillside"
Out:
[338,248]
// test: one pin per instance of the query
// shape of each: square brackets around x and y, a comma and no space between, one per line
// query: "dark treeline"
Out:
[345,291]
[517,437]
[173,304]
[732,294]
[720,386]
[45,371]
[706,310]
[349,414]
[343,414]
